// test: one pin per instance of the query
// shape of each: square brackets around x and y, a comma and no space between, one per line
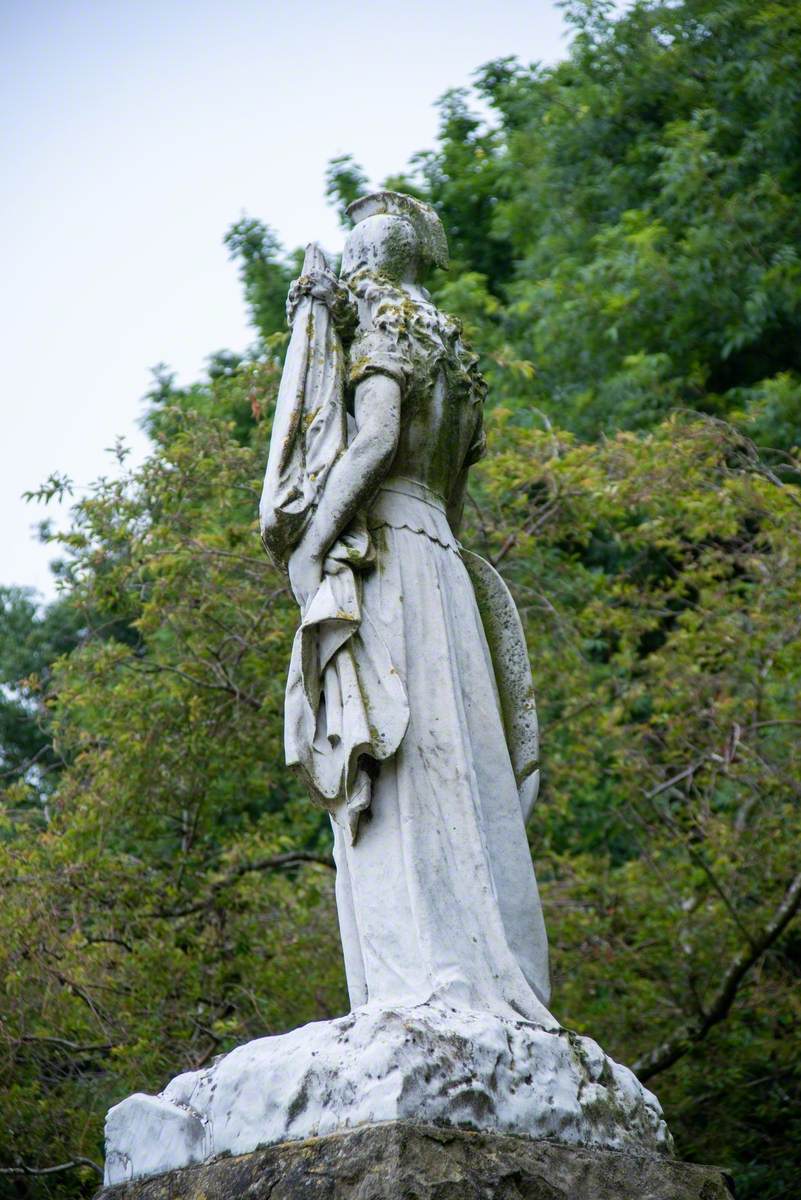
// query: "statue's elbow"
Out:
[377,446]
[388,449]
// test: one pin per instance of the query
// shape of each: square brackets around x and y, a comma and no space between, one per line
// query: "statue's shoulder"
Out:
[377,301]
[411,332]
[381,342]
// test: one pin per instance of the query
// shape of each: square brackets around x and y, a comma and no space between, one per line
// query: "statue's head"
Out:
[394,235]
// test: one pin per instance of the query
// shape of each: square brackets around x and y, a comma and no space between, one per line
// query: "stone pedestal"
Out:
[404,1161]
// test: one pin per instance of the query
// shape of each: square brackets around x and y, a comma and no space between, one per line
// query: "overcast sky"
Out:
[134,132]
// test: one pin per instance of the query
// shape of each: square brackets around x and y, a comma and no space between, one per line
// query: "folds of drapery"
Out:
[345,702]
[407,504]
[310,425]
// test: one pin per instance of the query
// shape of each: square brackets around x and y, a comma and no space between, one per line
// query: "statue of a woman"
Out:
[410,714]
[395,701]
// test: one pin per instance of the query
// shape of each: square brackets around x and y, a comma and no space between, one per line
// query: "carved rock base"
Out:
[428,1065]
[403,1161]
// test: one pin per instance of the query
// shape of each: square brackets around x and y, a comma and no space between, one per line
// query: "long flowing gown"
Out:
[399,712]
[437,897]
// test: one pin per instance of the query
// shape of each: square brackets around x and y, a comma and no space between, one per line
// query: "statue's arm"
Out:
[352,481]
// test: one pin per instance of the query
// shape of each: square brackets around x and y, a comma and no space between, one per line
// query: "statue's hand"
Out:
[305,575]
[320,284]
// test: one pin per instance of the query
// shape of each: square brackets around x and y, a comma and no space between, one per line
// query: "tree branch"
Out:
[276,861]
[78,991]
[676,1047]
[229,688]
[67,1166]
[74,1047]
[532,526]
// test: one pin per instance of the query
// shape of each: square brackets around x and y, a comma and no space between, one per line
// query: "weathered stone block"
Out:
[403,1161]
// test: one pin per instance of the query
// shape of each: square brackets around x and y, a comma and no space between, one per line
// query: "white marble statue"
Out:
[393,710]
[410,714]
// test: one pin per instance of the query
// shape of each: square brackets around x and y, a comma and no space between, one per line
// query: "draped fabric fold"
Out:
[346,705]
[345,702]
[310,424]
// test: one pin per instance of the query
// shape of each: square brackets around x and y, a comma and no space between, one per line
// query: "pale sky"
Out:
[133,133]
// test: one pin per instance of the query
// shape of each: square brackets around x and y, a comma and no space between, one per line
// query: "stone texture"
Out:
[424,1064]
[418,1162]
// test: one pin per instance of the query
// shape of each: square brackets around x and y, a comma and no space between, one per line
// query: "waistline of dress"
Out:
[401,485]
[403,503]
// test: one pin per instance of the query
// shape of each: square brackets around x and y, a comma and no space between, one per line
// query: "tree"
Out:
[264,270]
[345,181]
[658,577]
[178,900]
[31,638]
[627,223]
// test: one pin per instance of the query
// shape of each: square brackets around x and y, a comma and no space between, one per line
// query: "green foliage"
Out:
[154,920]
[264,270]
[30,641]
[345,181]
[659,579]
[463,179]
[635,210]
[625,234]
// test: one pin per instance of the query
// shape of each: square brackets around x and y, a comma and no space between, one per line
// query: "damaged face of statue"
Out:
[385,244]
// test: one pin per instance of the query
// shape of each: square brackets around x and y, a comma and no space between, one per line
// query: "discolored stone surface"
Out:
[402,1161]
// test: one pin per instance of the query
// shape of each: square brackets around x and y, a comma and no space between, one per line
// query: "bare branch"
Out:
[75,1047]
[533,526]
[112,941]
[676,1047]
[687,773]
[229,688]
[275,862]
[67,1166]
[78,991]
